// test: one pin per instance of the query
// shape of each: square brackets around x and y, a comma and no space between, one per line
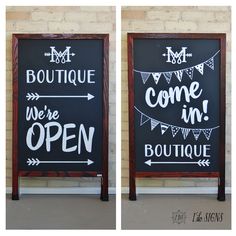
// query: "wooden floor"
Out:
[60,212]
[176,212]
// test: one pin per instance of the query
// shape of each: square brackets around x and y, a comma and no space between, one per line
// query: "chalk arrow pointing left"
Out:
[203,162]
[149,162]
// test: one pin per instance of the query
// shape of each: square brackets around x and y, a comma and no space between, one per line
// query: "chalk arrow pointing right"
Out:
[36,162]
[90,96]
[89,162]
[36,96]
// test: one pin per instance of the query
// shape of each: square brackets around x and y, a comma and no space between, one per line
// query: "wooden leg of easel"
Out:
[104,189]
[132,189]
[15,188]
[221,189]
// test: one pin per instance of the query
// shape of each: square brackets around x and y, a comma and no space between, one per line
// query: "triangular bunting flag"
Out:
[179,74]
[174,130]
[145,76]
[154,123]
[156,77]
[144,119]
[200,68]
[164,127]
[196,133]
[210,63]
[185,132]
[207,133]
[189,72]
[168,76]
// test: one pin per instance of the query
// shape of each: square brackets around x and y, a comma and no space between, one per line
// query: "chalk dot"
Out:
[206,118]
[184,106]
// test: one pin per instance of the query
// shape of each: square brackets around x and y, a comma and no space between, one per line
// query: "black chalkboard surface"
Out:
[75,135]
[61,105]
[175,104]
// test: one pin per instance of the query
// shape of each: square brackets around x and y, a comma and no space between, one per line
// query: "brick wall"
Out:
[60,20]
[102,20]
[173,20]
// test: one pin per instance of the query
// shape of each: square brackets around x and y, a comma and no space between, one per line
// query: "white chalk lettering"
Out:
[54,131]
[34,113]
[66,137]
[177,150]
[49,137]
[148,150]
[30,135]
[60,76]
[172,95]
[87,139]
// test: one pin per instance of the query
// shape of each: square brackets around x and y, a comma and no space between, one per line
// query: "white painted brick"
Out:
[62,183]
[101,17]
[9,107]
[206,183]
[198,16]
[8,182]
[211,8]
[25,26]
[124,182]
[124,66]
[8,144]
[125,26]
[33,182]
[56,9]
[50,16]
[80,16]
[96,9]
[9,65]
[89,184]
[9,96]
[9,116]
[222,16]
[221,27]
[8,125]
[180,26]
[11,15]
[163,15]
[149,182]
[10,25]
[125,172]
[149,26]
[180,182]
[63,27]
[93,27]
[21,8]
[8,162]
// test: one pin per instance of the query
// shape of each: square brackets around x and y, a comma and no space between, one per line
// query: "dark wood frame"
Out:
[132,172]
[15,170]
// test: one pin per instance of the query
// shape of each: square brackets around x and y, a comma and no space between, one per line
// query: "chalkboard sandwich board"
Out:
[60,107]
[176,106]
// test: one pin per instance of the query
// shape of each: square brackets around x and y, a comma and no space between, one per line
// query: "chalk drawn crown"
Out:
[179,57]
[59,57]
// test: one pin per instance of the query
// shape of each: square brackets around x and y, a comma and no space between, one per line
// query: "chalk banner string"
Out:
[174,129]
[178,73]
